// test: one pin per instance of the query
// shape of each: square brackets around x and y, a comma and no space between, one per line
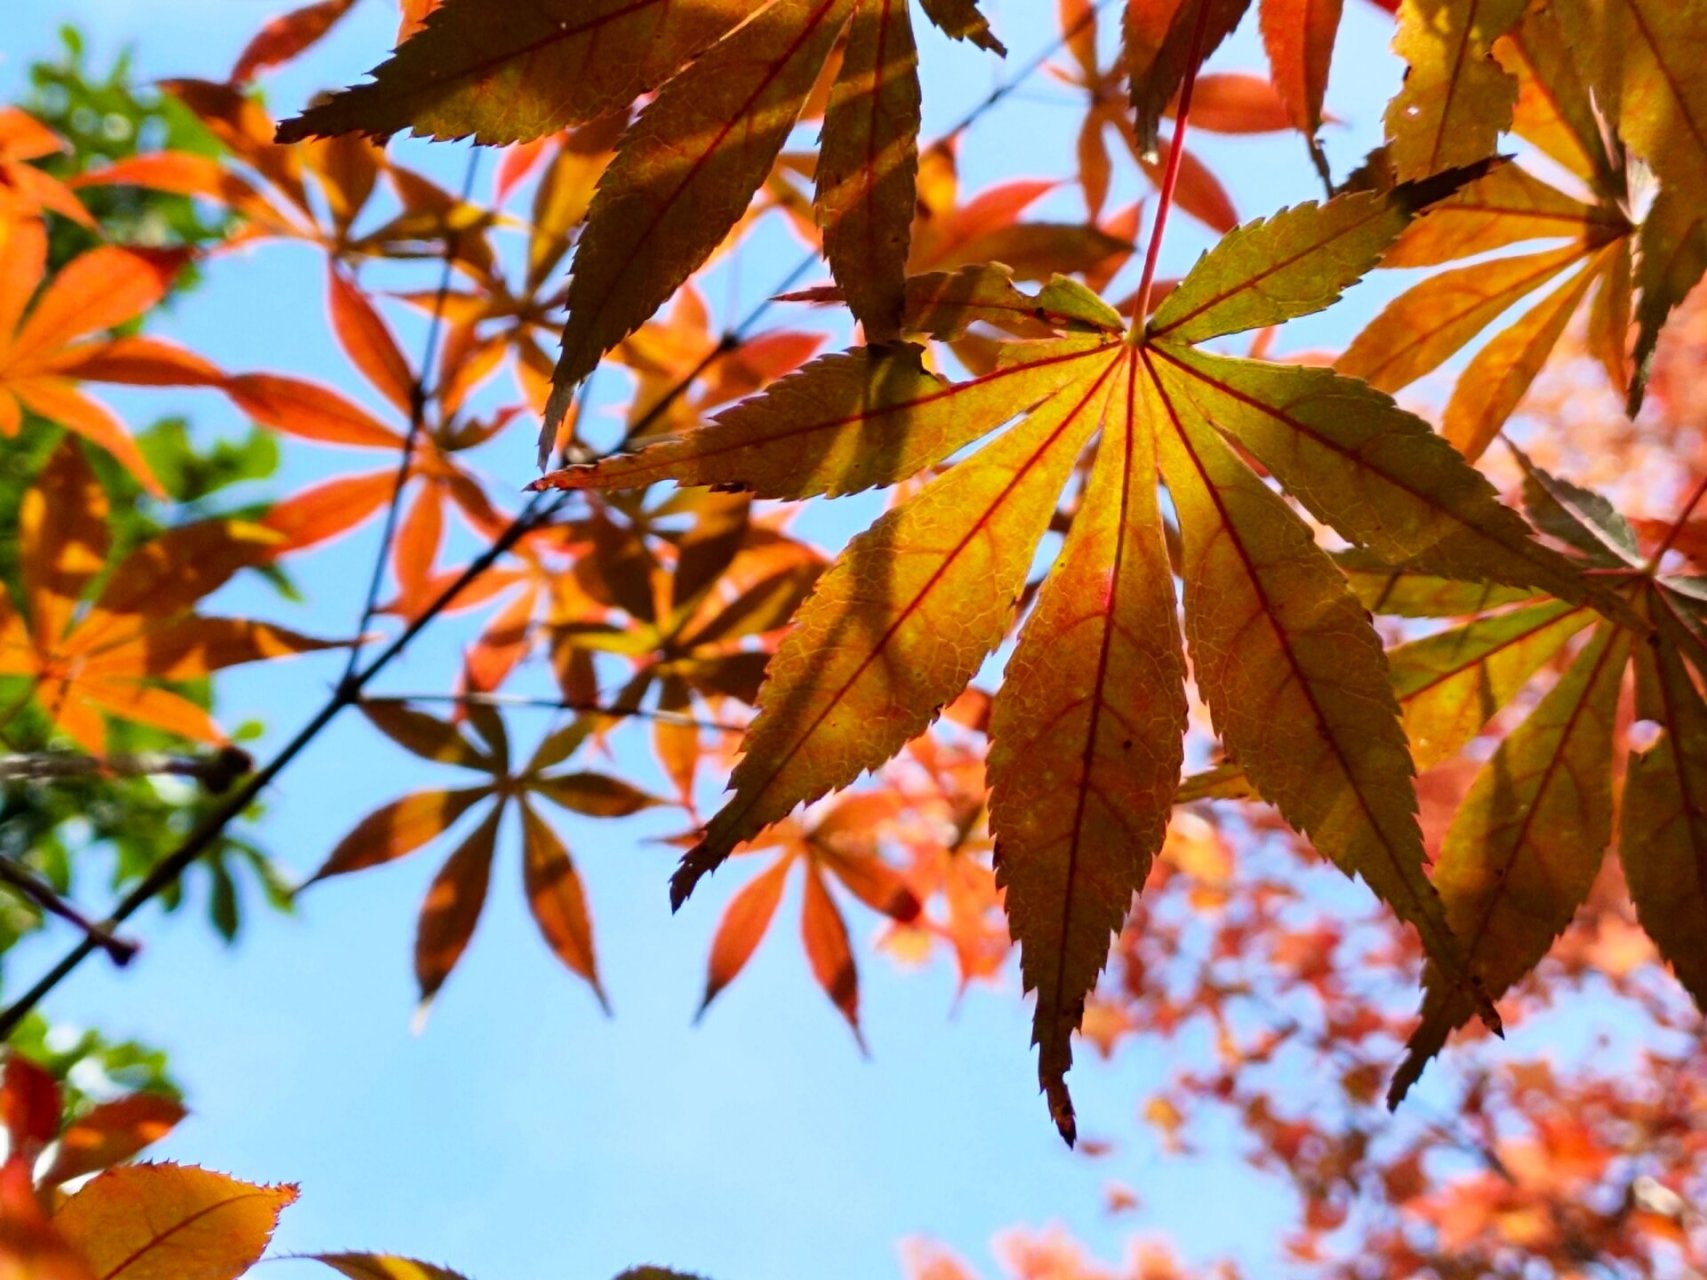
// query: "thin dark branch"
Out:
[558,704]
[208,830]
[419,396]
[44,895]
[1040,60]
[216,772]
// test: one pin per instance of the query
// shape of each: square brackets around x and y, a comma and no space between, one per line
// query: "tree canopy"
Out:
[1153,619]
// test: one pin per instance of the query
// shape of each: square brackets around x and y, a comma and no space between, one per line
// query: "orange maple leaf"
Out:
[94,646]
[24,189]
[45,354]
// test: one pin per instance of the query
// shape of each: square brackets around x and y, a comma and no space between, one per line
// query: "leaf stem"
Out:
[418,397]
[1676,529]
[1170,179]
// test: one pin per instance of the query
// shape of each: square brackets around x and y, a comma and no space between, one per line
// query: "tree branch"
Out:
[216,772]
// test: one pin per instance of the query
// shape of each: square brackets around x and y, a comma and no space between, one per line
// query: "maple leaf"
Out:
[1658,257]
[380,1266]
[278,195]
[1086,749]
[1528,841]
[555,896]
[112,650]
[439,479]
[286,37]
[1639,60]
[1234,105]
[691,621]
[728,84]
[1298,36]
[26,191]
[1456,98]
[151,1221]
[46,352]
[842,843]
[1163,41]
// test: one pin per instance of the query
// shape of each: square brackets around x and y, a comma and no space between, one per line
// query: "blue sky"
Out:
[524,1134]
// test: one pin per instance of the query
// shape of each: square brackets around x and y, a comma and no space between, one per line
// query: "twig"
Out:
[216,772]
[1008,87]
[418,398]
[45,896]
[199,840]
[559,704]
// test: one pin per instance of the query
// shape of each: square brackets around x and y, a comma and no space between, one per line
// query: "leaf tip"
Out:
[1424,1046]
[1061,1109]
[418,1019]
[557,408]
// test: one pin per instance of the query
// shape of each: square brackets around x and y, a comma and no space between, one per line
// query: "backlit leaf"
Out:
[539,69]
[962,20]
[1505,206]
[1496,380]
[111,1132]
[867,162]
[1578,517]
[825,935]
[398,828]
[1156,44]
[1671,256]
[844,423]
[873,653]
[1526,843]
[744,924]
[380,1266]
[1422,327]
[1379,475]
[1082,763]
[452,907]
[683,175]
[1293,263]
[1086,739]
[424,735]
[557,899]
[1643,60]
[1299,37]
[1405,593]
[1449,685]
[1456,99]
[1663,840]
[1293,674]
[286,36]
[170,1222]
